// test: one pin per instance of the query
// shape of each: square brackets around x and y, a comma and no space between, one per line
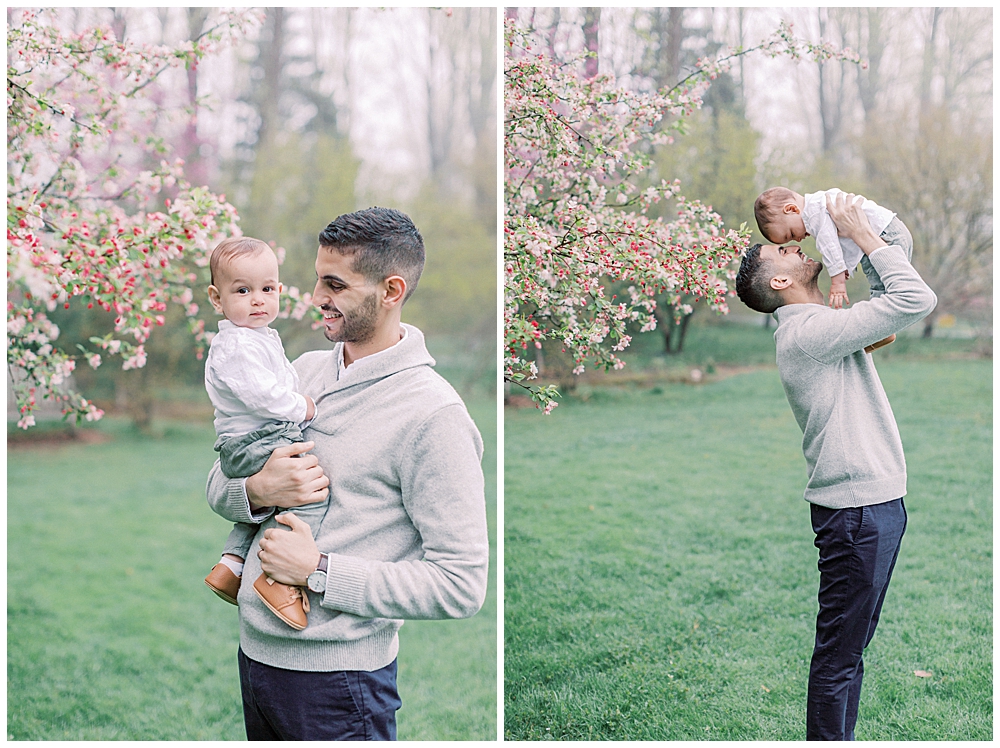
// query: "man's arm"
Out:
[442,490]
[289,478]
[442,487]
[907,299]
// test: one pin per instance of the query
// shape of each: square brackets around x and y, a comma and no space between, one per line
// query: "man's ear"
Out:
[216,298]
[395,290]
[780,282]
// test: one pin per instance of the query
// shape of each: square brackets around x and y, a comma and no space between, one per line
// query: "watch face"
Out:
[317,581]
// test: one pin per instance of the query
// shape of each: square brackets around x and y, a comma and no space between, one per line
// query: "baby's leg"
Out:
[895,233]
[239,541]
[240,457]
[225,577]
[312,514]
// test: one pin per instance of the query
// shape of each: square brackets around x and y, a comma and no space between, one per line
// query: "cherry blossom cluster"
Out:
[97,213]
[575,222]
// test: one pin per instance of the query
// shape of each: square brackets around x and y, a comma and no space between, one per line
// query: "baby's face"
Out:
[788,227]
[247,291]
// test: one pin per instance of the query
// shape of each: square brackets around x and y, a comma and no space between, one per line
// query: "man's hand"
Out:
[852,222]
[288,481]
[288,557]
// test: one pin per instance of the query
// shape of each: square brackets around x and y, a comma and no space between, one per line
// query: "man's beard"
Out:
[811,271]
[357,326]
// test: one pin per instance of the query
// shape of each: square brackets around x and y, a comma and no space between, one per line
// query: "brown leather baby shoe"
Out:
[224,583]
[289,603]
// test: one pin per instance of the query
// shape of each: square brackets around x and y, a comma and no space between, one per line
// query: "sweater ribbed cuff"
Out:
[237,499]
[346,580]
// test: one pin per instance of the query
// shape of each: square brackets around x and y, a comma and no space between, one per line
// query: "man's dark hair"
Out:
[382,241]
[753,282]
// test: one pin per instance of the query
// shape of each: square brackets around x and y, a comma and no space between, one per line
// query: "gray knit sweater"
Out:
[849,436]
[406,527]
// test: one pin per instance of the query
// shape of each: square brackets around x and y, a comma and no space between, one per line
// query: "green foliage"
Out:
[660,577]
[457,293]
[715,161]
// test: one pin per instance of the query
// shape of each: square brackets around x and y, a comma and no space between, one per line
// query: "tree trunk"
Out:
[682,329]
[929,63]
[190,144]
[829,106]
[272,63]
[134,393]
[673,332]
[591,29]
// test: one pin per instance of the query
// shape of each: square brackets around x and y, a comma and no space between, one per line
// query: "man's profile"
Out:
[853,452]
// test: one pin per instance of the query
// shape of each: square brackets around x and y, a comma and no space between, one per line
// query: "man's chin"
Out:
[348,336]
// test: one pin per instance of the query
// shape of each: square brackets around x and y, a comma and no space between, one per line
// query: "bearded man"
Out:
[857,473]
[405,534]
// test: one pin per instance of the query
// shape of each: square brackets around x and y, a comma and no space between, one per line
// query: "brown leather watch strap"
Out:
[324,560]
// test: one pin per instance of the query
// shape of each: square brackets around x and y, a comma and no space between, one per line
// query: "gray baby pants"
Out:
[895,233]
[245,455]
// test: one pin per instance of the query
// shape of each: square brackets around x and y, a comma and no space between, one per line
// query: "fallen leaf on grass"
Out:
[923,673]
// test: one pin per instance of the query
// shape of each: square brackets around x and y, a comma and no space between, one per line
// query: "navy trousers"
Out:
[857,552]
[295,705]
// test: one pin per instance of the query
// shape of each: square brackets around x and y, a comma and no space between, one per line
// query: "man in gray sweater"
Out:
[857,473]
[405,533]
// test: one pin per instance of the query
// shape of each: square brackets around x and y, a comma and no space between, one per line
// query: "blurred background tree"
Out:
[319,112]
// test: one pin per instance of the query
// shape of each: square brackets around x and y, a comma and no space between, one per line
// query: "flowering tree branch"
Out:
[89,219]
[575,222]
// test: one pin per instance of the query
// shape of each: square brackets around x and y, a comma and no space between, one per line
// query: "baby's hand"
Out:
[838,298]
[310,408]
[838,290]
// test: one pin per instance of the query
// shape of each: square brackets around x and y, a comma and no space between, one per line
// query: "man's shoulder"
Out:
[793,322]
[426,386]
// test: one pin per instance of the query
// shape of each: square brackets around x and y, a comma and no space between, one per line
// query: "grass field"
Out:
[111,634]
[660,576]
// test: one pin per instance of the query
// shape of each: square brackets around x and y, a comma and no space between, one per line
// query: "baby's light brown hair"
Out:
[234,246]
[767,207]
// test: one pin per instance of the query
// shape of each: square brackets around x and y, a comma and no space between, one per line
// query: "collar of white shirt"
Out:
[225,324]
[344,371]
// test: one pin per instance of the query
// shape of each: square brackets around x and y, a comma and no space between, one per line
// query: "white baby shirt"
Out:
[838,252]
[249,380]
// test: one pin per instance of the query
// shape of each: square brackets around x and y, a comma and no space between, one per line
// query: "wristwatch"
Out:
[317,580]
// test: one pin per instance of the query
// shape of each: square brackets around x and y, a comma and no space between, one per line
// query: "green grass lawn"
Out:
[660,575]
[111,633]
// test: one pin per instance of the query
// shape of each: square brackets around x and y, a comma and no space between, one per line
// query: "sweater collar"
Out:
[409,352]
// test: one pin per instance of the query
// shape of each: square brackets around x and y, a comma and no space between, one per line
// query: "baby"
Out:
[785,216]
[257,409]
